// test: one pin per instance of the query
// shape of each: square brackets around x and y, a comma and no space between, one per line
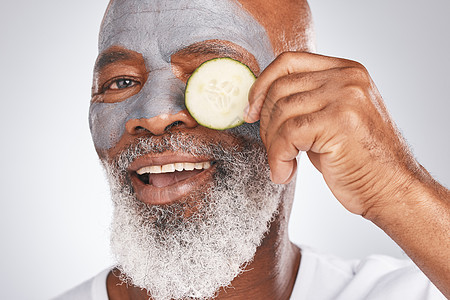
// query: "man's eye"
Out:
[122,83]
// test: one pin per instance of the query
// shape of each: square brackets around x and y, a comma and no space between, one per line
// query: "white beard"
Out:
[174,256]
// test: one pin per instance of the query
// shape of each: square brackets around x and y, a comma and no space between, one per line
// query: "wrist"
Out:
[412,193]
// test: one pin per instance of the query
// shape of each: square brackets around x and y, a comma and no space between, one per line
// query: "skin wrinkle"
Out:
[163,92]
[151,11]
[209,22]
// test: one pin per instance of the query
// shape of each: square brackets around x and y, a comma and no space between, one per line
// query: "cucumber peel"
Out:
[217,93]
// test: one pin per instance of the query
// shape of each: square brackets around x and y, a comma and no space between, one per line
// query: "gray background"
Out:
[55,210]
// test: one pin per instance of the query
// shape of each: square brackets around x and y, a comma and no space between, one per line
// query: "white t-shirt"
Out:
[326,277]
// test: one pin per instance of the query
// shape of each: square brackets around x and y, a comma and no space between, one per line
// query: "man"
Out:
[201,213]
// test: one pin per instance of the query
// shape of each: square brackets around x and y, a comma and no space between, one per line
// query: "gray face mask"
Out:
[157,30]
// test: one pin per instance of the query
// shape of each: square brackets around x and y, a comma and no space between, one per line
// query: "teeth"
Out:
[189,166]
[179,166]
[170,168]
[155,169]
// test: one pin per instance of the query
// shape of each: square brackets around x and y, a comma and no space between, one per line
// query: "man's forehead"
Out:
[165,27]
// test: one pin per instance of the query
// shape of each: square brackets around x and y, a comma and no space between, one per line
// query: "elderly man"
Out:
[201,213]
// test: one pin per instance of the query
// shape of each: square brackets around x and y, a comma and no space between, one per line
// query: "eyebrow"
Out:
[108,58]
[209,48]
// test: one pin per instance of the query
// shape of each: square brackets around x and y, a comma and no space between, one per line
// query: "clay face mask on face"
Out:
[157,30]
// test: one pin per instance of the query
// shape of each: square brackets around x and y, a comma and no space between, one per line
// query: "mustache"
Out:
[176,142]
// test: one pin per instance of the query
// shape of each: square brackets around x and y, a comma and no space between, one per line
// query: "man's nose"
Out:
[161,124]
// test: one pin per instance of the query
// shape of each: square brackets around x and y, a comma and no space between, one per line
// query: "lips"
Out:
[165,179]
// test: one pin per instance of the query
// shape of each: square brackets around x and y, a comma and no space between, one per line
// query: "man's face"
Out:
[160,44]
[183,233]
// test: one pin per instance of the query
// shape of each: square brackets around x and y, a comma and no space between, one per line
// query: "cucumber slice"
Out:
[217,93]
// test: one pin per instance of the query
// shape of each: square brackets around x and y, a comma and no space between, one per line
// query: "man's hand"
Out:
[331,109]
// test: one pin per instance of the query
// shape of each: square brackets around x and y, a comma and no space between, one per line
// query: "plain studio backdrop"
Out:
[55,207]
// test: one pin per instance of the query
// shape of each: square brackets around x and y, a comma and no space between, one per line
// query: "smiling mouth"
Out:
[161,176]
[163,180]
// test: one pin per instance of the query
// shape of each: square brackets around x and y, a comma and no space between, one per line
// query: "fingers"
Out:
[288,107]
[292,95]
[286,86]
[299,133]
[299,99]
[286,64]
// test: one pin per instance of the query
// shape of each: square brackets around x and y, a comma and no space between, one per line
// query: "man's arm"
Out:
[331,109]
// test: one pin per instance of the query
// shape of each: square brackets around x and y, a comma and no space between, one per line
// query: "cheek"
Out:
[107,124]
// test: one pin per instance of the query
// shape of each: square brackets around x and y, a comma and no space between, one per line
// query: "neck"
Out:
[271,274]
